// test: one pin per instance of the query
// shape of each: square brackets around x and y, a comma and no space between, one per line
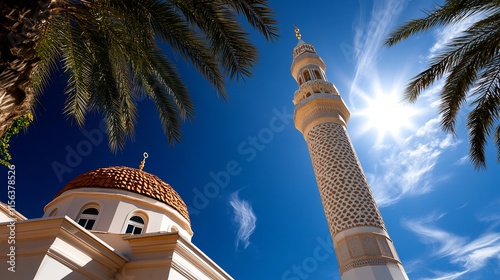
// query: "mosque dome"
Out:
[130,179]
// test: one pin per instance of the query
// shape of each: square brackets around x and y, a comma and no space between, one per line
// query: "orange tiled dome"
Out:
[130,179]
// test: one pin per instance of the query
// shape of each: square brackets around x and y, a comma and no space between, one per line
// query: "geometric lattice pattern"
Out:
[347,199]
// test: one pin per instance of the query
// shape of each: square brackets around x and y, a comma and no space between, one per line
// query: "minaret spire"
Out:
[143,161]
[362,245]
[297,32]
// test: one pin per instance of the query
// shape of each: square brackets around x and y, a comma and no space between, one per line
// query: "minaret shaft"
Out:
[356,226]
[362,245]
[346,197]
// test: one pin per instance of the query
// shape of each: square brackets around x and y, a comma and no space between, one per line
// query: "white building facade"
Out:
[111,223]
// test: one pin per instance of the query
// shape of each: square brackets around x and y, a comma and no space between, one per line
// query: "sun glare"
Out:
[387,114]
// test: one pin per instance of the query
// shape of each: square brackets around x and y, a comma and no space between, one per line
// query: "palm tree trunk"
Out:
[19,29]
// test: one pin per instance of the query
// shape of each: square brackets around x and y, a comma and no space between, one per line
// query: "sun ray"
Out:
[386,113]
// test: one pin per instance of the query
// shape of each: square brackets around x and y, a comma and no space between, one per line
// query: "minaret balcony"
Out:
[314,89]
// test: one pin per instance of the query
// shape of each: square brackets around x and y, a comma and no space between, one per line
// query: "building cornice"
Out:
[11,212]
[183,249]
[68,243]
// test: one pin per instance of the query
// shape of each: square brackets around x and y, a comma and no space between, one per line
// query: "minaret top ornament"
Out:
[145,156]
[297,31]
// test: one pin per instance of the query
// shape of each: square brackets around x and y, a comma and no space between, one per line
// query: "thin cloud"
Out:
[368,39]
[244,217]
[469,255]
[406,170]
[446,34]
[463,160]
[491,214]
[446,275]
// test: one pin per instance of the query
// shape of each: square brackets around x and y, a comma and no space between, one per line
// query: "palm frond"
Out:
[111,51]
[227,38]
[471,65]
[108,100]
[167,109]
[163,19]
[258,14]
[48,52]
[166,73]
[75,65]
[486,111]
[497,142]
[479,45]
[452,11]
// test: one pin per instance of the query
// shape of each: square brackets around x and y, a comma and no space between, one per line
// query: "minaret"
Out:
[362,245]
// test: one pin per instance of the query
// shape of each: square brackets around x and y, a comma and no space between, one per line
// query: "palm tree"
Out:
[111,52]
[470,64]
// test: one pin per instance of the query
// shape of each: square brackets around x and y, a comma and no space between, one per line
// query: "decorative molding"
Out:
[369,262]
[318,111]
[303,48]
[183,271]
[314,89]
[364,249]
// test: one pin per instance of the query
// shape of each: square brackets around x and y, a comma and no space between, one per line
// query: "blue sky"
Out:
[245,172]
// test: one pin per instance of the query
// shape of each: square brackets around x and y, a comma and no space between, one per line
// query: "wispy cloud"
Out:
[463,160]
[446,34]
[368,39]
[406,170]
[440,275]
[469,255]
[244,217]
[491,214]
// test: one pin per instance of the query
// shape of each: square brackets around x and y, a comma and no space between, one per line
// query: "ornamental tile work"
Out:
[385,248]
[364,249]
[303,48]
[370,246]
[346,196]
[130,179]
[355,247]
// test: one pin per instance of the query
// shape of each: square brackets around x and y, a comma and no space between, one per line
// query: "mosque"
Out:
[124,223]
[109,223]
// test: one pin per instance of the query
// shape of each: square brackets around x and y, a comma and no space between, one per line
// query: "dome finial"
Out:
[297,31]
[141,166]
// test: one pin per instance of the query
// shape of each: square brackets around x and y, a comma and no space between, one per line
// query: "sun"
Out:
[386,113]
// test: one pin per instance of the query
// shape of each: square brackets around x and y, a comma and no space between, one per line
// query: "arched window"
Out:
[135,225]
[307,75]
[300,81]
[87,217]
[317,75]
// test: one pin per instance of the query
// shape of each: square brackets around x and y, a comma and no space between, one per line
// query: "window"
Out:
[135,225]
[88,217]
[300,81]
[317,75]
[307,75]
